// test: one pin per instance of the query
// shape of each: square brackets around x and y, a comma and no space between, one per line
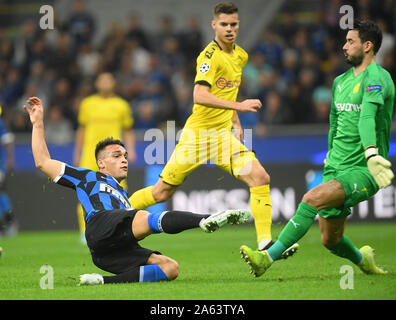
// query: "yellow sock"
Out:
[142,198]
[80,218]
[260,204]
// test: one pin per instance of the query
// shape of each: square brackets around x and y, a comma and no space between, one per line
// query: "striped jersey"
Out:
[96,191]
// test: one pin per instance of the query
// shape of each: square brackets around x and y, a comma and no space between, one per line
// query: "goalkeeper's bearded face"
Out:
[354,48]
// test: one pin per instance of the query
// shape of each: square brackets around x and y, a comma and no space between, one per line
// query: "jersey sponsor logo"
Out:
[109,189]
[222,83]
[356,88]
[348,107]
[204,67]
[374,87]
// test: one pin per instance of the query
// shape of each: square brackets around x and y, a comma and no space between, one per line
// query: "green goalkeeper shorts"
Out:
[358,185]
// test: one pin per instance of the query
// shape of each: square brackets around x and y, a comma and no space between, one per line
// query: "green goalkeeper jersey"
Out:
[360,116]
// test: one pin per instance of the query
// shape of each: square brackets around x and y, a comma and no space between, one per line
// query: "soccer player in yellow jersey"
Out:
[102,115]
[207,134]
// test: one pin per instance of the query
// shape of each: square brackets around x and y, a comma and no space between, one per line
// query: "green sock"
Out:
[346,249]
[294,230]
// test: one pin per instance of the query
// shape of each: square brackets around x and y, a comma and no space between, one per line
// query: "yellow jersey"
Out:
[222,72]
[102,118]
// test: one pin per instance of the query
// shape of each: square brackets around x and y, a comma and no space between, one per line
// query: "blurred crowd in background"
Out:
[290,69]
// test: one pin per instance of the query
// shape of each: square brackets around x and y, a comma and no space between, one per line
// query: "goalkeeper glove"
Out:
[379,167]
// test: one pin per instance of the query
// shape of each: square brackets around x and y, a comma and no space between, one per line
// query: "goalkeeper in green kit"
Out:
[356,166]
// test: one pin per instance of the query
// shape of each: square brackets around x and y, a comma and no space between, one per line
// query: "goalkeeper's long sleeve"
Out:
[367,129]
[378,166]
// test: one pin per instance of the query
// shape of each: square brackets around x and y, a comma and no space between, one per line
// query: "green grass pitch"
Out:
[210,268]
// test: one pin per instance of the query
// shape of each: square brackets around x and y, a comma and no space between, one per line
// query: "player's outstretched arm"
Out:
[201,95]
[42,158]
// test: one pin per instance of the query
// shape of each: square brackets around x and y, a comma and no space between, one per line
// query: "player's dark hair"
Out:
[225,7]
[104,143]
[369,31]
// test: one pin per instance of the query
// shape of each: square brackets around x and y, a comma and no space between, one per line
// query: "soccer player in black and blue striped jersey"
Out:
[113,228]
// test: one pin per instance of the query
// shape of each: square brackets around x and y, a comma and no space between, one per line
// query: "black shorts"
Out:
[111,241]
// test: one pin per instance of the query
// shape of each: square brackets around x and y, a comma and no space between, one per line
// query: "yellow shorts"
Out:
[218,147]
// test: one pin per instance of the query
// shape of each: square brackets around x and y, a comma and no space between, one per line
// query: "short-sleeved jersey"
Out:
[102,118]
[352,95]
[222,72]
[95,191]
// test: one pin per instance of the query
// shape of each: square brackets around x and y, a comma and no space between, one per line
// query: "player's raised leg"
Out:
[151,195]
[328,195]
[143,198]
[220,219]
[173,222]
[295,229]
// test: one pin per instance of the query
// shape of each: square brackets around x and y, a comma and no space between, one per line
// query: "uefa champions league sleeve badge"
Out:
[204,67]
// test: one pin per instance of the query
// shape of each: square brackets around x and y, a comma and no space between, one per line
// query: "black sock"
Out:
[178,221]
[129,276]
